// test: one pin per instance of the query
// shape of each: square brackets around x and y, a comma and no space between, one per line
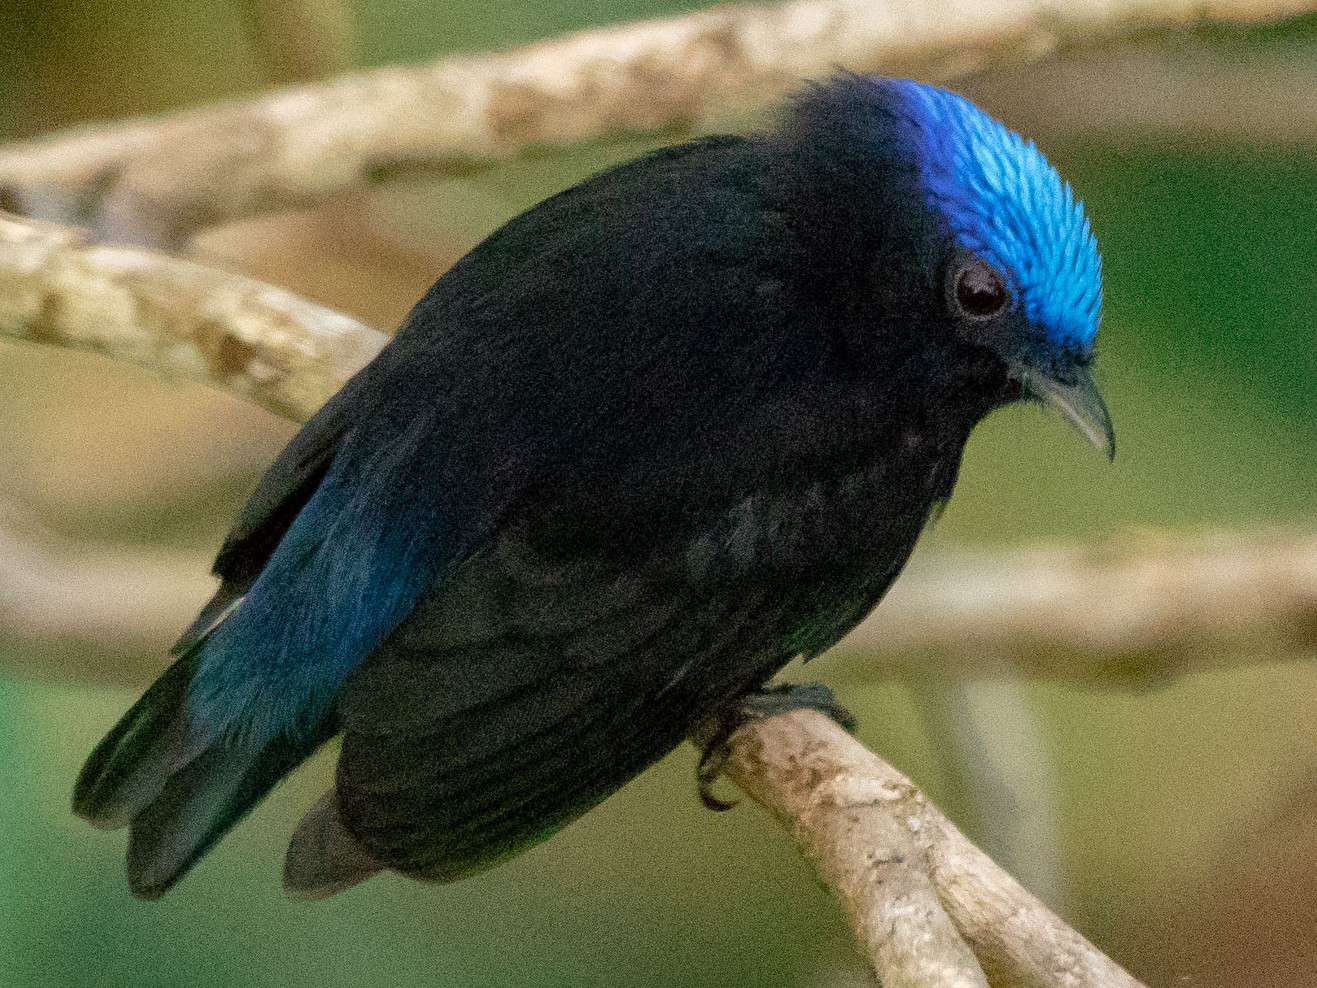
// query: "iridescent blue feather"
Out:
[1005,202]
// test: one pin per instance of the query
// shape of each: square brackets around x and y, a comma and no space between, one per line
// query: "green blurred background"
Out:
[1182,819]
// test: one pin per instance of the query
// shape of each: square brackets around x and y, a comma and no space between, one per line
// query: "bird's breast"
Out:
[822,552]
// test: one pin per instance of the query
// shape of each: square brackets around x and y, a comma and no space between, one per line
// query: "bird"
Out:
[653,439]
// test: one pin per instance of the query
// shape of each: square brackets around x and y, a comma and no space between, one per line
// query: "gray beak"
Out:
[1078,400]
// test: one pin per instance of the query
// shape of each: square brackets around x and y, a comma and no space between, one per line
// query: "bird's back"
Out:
[530,686]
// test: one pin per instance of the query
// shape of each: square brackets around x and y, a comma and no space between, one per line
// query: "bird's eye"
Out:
[980,292]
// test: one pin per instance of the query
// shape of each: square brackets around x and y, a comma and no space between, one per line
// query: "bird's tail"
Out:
[177,793]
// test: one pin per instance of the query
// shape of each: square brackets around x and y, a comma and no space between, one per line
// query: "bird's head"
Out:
[965,233]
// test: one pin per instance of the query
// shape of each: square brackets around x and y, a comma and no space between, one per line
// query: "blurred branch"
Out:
[1127,93]
[997,769]
[177,318]
[928,907]
[302,39]
[1134,611]
[156,182]
[126,599]
[974,617]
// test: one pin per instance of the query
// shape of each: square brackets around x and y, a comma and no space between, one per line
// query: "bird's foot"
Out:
[768,702]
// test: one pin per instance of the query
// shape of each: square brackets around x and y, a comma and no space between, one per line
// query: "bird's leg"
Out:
[767,702]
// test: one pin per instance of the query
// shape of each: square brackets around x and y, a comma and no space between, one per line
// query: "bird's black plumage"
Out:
[641,447]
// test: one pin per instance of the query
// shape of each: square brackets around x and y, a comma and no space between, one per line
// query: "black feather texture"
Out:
[645,444]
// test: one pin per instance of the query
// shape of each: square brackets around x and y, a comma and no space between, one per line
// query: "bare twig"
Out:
[123,599]
[1138,610]
[179,319]
[990,748]
[1129,93]
[928,906]
[158,181]
[964,616]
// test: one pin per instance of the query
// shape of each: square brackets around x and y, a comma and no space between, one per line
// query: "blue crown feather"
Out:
[1005,202]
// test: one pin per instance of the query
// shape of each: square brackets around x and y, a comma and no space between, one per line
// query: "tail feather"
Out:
[201,802]
[177,793]
[127,770]
[323,857]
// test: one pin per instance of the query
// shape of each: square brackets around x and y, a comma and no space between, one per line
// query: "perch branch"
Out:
[928,907]
[158,181]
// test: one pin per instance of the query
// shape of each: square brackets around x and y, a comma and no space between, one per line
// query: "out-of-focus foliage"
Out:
[1187,815]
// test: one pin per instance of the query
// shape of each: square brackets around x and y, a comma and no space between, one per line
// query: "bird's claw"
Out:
[768,702]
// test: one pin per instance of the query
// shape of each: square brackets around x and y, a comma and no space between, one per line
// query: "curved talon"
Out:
[785,697]
[712,763]
[767,702]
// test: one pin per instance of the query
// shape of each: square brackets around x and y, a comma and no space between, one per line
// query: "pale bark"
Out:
[179,319]
[1134,611]
[157,181]
[928,907]
[957,616]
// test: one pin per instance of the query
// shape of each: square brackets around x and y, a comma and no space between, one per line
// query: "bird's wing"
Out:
[512,702]
[254,694]
[282,492]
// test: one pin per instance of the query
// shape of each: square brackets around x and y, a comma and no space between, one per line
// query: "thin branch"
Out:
[179,319]
[928,907]
[116,610]
[1271,613]
[1129,93]
[989,746]
[1135,611]
[157,182]
[1016,613]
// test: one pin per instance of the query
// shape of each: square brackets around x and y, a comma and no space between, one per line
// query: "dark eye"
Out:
[980,291]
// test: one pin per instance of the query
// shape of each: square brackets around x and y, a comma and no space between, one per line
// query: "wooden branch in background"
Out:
[299,40]
[156,182]
[176,318]
[118,609]
[1129,93]
[1138,610]
[1160,607]
[928,907]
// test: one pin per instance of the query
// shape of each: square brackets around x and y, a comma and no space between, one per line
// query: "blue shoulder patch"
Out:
[343,577]
[1005,202]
